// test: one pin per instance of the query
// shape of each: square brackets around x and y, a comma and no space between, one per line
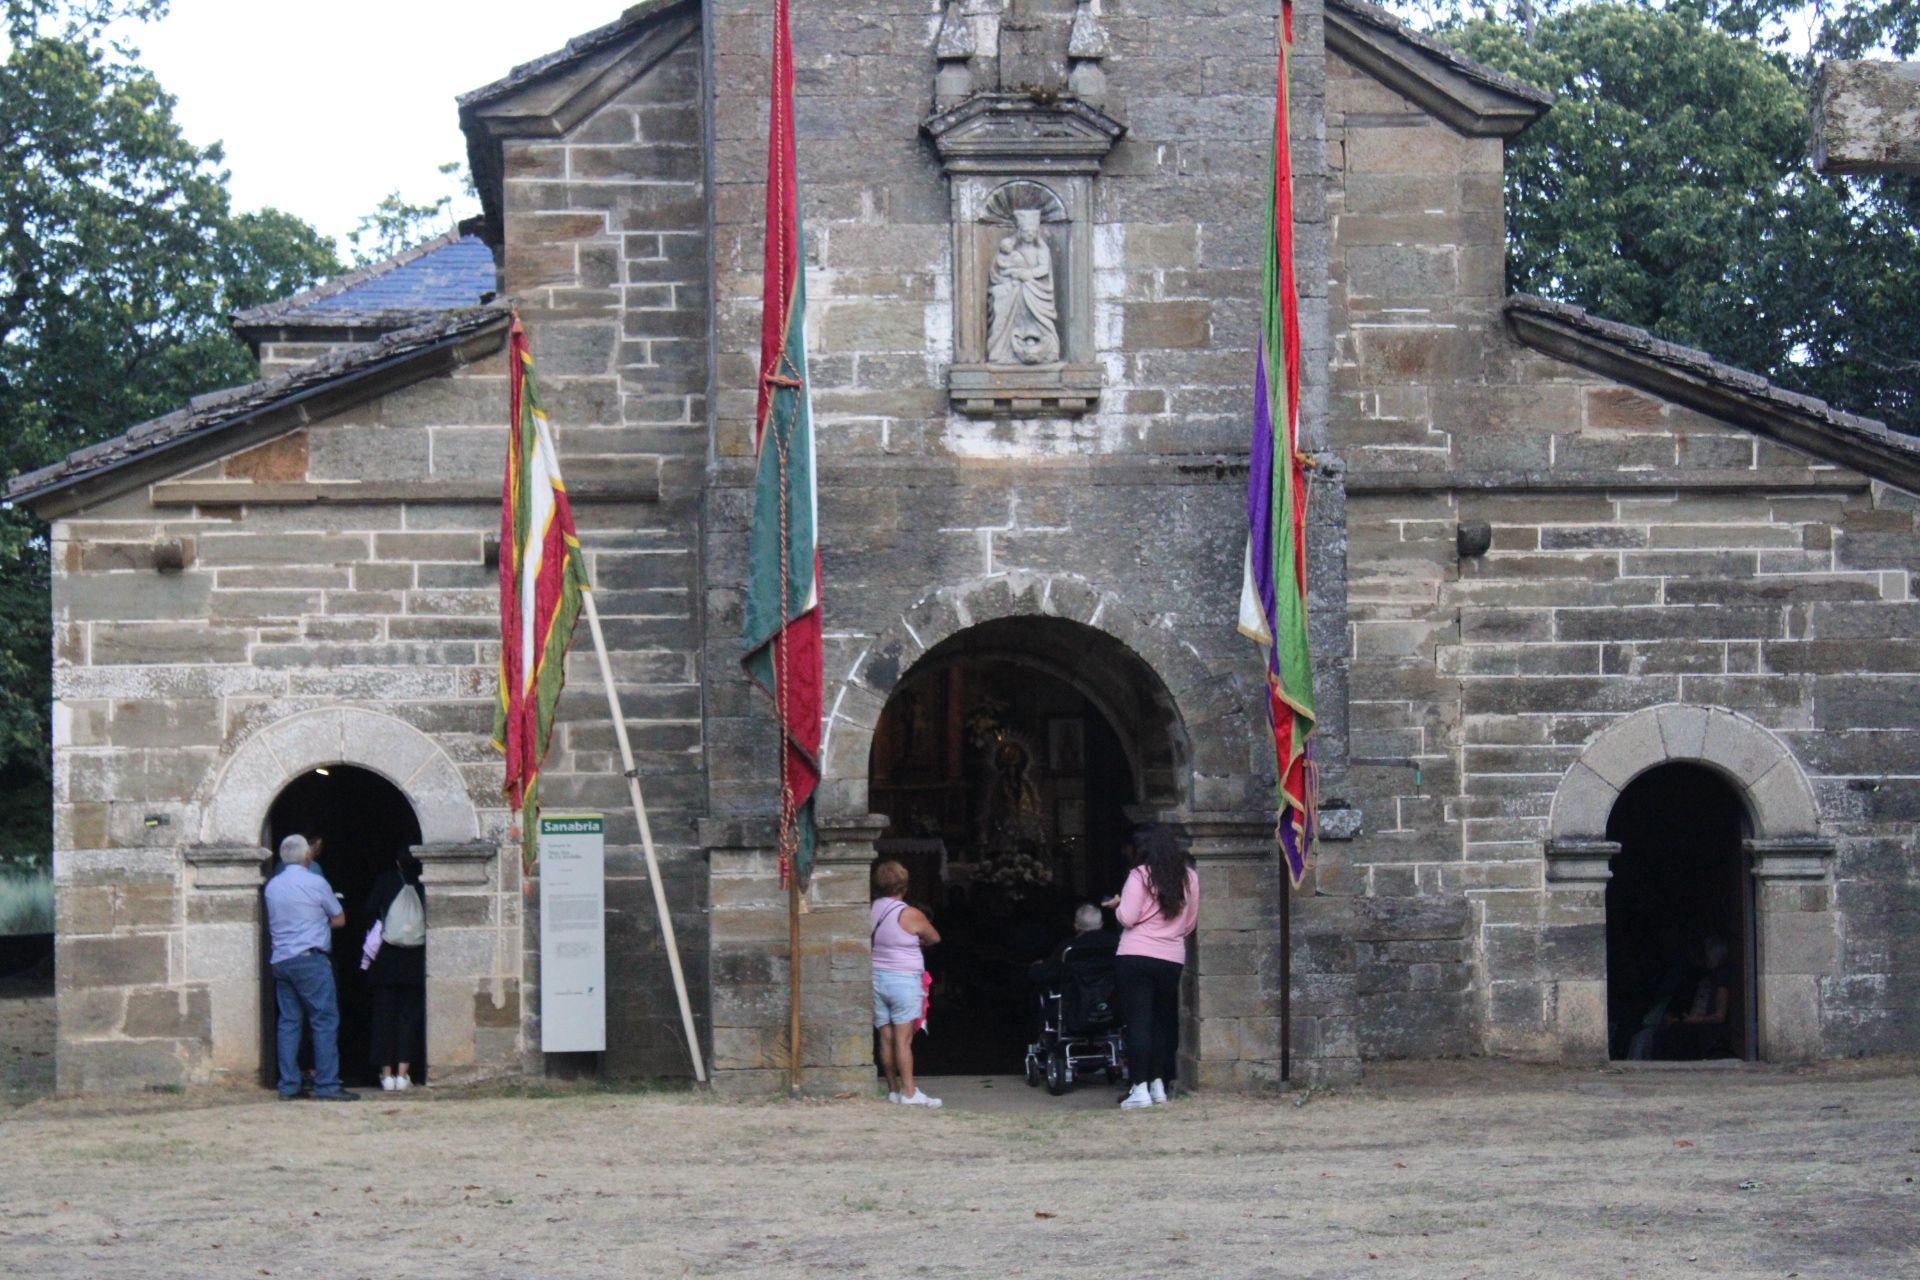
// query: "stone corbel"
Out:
[227,866]
[466,862]
[848,840]
[1807,859]
[1580,864]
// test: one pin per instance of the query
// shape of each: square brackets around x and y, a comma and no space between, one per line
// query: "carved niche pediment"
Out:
[1008,133]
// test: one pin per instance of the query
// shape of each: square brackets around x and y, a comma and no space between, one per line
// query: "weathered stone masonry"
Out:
[1550,553]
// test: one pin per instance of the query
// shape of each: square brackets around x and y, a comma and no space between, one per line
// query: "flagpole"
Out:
[793,983]
[633,791]
[1286,969]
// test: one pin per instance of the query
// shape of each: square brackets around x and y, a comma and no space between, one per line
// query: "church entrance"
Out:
[1680,910]
[365,823]
[1005,771]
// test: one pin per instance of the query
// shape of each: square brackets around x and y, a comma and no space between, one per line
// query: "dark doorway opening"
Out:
[365,822]
[1680,956]
[1005,785]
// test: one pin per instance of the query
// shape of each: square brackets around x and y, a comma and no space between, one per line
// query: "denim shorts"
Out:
[897,997]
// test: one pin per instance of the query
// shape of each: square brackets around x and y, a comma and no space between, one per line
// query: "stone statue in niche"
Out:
[1023,323]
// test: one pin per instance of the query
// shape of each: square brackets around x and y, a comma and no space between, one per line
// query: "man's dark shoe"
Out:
[345,1095]
[294,1097]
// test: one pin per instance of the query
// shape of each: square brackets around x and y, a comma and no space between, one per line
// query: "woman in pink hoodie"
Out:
[1157,909]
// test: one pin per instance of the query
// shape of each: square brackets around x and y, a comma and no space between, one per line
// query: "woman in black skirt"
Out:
[398,976]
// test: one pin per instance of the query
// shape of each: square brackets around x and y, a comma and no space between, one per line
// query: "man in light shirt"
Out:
[302,913]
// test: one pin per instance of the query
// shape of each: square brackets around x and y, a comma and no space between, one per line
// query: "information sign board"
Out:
[573,933]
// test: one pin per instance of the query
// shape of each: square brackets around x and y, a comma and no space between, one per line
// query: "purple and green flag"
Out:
[1273,594]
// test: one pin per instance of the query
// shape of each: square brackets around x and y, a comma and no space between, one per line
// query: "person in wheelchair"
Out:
[1090,935]
[1079,1023]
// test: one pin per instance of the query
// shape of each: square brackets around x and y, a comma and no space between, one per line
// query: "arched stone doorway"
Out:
[473,898]
[1793,937]
[1196,730]
[1679,919]
[1011,762]
[364,824]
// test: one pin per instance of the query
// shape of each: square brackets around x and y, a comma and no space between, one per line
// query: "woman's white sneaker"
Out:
[388,1083]
[893,1095]
[1136,1098]
[919,1098]
[1157,1090]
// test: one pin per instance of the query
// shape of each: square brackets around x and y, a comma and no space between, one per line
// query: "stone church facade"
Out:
[1551,558]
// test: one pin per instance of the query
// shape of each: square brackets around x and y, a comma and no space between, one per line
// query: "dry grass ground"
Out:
[1445,1170]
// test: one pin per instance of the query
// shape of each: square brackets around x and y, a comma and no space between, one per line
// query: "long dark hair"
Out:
[1167,863]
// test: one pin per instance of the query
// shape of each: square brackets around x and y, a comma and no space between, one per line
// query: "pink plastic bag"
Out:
[371,947]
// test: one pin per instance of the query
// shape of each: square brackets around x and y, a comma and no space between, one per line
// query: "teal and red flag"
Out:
[782,630]
[1273,595]
[542,576]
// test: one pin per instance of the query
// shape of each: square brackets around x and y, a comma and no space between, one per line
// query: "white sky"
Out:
[322,114]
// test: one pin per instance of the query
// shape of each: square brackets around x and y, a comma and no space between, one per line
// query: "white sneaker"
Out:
[1136,1098]
[402,1082]
[1157,1090]
[920,1099]
[387,1083]
[893,1095]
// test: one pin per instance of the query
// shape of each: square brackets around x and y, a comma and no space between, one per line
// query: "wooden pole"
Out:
[793,981]
[633,793]
[646,840]
[1286,970]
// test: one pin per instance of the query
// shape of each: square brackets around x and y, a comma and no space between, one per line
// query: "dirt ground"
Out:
[1444,1170]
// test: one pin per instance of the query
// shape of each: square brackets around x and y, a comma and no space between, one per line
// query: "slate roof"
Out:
[323,385]
[1468,95]
[447,273]
[1690,377]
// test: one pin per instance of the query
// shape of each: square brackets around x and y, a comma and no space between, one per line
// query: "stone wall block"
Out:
[450,1030]
[1785,800]
[1790,1017]
[1621,754]
[1684,731]
[135,960]
[1734,746]
[1583,802]
[216,951]
[169,1013]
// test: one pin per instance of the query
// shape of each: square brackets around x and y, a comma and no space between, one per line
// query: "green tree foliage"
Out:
[1828,28]
[398,223]
[120,259]
[1670,188]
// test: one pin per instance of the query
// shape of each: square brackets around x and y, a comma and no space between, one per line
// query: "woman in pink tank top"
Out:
[899,979]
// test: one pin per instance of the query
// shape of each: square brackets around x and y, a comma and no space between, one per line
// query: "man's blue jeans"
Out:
[304,987]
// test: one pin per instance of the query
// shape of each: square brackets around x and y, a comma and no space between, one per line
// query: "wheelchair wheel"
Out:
[1034,1074]
[1056,1073]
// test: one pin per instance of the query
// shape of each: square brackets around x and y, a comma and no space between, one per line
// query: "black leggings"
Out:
[397,1014]
[1149,995]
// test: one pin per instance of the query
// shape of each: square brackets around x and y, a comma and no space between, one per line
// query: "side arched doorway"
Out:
[1007,760]
[1681,784]
[1679,919]
[365,823]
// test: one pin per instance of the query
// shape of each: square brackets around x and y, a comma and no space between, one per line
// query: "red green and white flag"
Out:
[542,576]
[782,630]
[1273,595]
